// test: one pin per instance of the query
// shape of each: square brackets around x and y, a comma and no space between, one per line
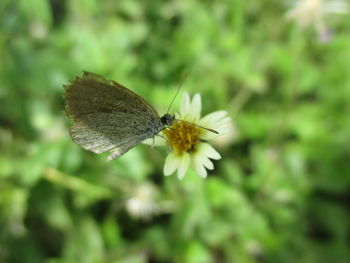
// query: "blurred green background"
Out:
[279,194]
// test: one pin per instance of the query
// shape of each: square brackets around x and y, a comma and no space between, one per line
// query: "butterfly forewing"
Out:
[92,93]
[107,116]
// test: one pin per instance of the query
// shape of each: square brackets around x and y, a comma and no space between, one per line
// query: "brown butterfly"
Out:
[107,117]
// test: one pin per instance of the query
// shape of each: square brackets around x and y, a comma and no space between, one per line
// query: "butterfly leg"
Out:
[161,137]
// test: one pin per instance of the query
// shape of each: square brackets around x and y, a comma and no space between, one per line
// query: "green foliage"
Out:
[279,194]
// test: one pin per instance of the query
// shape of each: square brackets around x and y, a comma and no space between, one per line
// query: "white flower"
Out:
[142,204]
[188,141]
[313,13]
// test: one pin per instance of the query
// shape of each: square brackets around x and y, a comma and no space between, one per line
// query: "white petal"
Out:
[212,118]
[196,106]
[199,168]
[183,166]
[200,161]
[171,164]
[223,121]
[209,151]
[223,131]
[208,136]
[222,126]
[208,164]
[185,106]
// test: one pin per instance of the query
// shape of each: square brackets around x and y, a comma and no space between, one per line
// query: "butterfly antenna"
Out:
[208,129]
[178,90]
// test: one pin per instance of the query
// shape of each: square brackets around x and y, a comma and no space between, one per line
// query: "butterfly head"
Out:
[167,119]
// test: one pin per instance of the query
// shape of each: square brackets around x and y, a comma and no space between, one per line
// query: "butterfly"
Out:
[108,117]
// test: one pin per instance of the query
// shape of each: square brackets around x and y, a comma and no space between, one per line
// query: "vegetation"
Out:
[280,193]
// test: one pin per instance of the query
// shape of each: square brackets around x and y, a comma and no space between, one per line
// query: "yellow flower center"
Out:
[182,136]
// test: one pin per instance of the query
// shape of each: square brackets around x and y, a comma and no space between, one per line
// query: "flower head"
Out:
[144,201]
[313,13]
[188,135]
[142,204]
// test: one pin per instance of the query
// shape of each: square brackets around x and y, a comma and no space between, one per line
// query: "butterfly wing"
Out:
[107,116]
[118,151]
[92,93]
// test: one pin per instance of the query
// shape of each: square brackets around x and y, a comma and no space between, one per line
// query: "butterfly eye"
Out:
[167,119]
